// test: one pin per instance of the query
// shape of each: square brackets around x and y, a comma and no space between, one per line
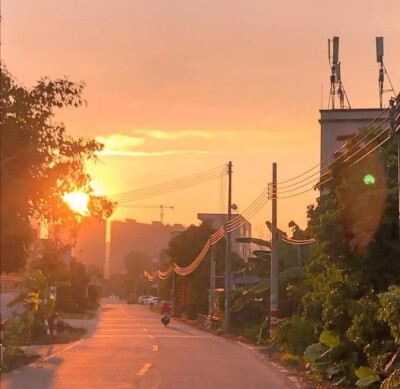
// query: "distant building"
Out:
[217,220]
[338,122]
[90,248]
[11,285]
[129,235]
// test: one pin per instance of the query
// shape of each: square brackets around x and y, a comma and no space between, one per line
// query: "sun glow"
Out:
[77,201]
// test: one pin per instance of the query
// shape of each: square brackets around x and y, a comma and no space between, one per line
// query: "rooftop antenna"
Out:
[382,71]
[336,79]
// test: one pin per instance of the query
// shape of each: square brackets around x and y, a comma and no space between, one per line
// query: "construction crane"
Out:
[162,207]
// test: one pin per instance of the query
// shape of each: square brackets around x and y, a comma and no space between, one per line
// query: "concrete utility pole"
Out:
[228,271]
[173,288]
[212,283]
[273,316]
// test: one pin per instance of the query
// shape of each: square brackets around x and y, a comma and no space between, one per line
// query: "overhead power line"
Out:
[352,139]
[166,187]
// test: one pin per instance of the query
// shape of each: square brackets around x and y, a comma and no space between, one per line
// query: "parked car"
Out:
[142,299]
[153,301]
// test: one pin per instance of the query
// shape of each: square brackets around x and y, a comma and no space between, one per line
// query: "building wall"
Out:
[129,235]
[336,122]
[90,247]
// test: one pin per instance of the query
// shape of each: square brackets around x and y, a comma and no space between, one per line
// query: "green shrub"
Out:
[291,359]
[295,334]
[14,357]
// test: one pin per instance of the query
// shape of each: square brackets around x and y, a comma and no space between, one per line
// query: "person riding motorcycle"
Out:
[165,313]
[165,309]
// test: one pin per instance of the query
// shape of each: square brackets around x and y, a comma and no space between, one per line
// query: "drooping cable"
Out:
[296,241]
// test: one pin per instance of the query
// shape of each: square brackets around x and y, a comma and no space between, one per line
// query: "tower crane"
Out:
[162,207]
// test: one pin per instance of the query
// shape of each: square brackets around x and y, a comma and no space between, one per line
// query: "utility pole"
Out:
[228,270]
[173,288]
[273,315]
[212,283]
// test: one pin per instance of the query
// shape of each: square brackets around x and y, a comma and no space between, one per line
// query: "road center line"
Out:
[144,369]
[155,347]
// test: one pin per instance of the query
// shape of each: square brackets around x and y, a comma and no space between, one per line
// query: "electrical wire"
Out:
[171,184]
[297,241]
[302,183]
[340,148]
[357,151]
[164,274]
[342,163]
[148,276]
[152,193]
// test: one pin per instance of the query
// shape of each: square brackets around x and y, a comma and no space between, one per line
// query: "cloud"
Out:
[159,134]
[122,153]
[118,142]
[163,143]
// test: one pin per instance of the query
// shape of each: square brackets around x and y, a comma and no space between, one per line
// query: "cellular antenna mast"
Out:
[382,71]
[337,87]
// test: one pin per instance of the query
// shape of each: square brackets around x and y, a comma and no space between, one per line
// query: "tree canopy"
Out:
[39,163]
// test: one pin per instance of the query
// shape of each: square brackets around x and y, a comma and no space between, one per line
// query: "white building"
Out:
[338,122]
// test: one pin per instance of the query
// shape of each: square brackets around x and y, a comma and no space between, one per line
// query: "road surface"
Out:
[130,348]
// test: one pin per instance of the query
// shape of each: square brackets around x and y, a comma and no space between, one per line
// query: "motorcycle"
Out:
[165,319]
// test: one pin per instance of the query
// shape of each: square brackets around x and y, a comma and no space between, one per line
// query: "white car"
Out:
[143,299]
[153,301]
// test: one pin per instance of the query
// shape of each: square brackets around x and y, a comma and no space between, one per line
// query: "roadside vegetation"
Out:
[40,163]
[340,312]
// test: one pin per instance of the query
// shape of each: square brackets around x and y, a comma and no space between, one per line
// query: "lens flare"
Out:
[369,179]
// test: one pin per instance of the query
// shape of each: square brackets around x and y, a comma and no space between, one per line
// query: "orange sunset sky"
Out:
[176,87]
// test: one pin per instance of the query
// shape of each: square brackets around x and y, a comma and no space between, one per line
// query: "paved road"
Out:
[130,348]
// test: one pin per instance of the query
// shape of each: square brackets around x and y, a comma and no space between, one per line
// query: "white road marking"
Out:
[116,325]
[120,336]
[57,353]
[104,319]
[151,336]
[144,369]
[155,347]
[117,330]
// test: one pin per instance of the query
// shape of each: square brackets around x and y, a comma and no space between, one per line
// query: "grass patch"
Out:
[14,358]
[65,334]
[37,335]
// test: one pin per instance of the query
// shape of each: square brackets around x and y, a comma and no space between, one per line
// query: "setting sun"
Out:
[77,201]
